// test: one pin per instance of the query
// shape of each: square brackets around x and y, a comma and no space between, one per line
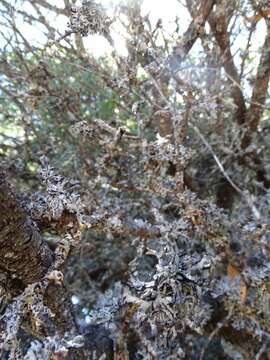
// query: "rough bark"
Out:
[22,250]
[24,260]
[219,25]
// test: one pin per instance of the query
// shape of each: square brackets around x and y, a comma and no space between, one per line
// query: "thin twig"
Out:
[262,350]
[243,193]
[215,332]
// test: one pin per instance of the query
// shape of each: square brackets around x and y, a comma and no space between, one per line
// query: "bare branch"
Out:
[191,35]
[259,92]
[219,25]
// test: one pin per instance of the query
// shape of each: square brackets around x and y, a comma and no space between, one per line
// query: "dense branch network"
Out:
[154,268]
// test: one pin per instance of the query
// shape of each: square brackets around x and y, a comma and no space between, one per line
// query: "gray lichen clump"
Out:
[89,18]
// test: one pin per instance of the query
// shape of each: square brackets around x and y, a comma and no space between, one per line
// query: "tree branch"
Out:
[189,38]
[259,92]
[22,250]
[219,25]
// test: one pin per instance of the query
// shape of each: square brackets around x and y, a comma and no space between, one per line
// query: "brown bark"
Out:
[259,92]
[219,25]
[179,54]
[249,118]
[192,33]
[24,259]
[22,250]
[170,127]
[25,256]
